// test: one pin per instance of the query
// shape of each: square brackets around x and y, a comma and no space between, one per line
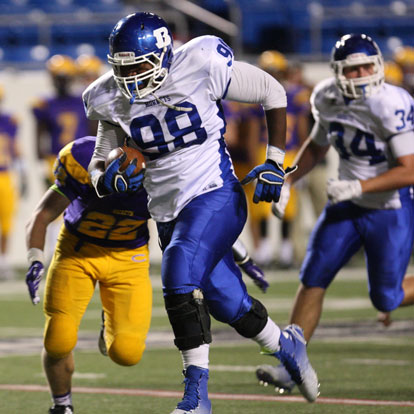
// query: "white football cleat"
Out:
[292,354]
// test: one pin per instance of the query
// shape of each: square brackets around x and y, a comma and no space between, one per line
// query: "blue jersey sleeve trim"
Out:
[227,89]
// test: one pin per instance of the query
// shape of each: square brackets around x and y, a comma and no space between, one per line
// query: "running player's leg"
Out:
[126,296]
[388,256]
[193,244]
[67,294]
[333,242]
[229,302]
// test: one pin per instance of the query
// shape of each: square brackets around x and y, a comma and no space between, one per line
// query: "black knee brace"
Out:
[189,318]
[252,322]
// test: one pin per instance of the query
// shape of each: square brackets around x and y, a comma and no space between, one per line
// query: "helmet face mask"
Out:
[140,54]
[357,50]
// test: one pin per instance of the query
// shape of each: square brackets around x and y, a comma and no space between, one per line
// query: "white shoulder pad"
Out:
[324,94]
[99,95]
[209,55]
[394,108]
[203,48]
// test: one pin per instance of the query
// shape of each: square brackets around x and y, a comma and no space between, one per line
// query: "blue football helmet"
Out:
[353,50]
[136,39]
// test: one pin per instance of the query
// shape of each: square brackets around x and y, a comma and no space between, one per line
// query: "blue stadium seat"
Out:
[103,6]
[77,34]
[10,7]
[69,50]
[278,24]
[17,54]
[17,36]
[54,6]
[215,6]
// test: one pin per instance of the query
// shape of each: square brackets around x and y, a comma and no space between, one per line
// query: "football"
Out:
[131,154]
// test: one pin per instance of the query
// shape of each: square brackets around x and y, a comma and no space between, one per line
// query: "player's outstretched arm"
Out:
[253,85]
[402,175]
[50,207]
[307,157]
[271,175]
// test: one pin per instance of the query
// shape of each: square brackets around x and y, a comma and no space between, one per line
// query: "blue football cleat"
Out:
[277,376]
[195,400]
[292,354]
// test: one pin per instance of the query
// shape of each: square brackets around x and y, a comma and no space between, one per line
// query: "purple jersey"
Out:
[298,104]
[8,129]
[65,120]
[118,220]
[256,112]
[242,114]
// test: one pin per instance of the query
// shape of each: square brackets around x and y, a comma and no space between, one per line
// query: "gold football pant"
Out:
[8,197]
[291,209]
[125,290]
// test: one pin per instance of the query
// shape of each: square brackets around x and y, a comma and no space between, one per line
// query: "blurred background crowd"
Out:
[51,50]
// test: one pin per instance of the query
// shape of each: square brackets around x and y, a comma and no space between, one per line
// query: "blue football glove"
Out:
[270,178]
[256,274]
[114,180]
[33,278]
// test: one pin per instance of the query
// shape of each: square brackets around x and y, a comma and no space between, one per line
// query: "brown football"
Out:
[131,153]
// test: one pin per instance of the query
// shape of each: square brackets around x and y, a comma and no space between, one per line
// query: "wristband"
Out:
[35,255]
[275,154]
[95,177]
[243,261]
[95,174]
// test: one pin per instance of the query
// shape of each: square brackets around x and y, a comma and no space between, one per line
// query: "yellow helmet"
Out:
[61,65]
[404,56]
[89,65]
[393,73]
[273,61]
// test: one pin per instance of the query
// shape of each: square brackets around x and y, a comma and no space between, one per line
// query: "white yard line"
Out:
[214,396]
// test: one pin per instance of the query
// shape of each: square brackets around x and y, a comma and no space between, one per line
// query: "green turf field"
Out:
[362,366]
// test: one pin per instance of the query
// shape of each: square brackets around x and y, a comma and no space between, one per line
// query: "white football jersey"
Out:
[184,154]
[361,130]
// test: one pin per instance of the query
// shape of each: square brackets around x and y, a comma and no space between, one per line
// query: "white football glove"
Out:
[278,209]
[341,190]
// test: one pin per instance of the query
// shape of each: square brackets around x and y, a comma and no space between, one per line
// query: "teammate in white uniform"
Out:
[168,103]
[370,124]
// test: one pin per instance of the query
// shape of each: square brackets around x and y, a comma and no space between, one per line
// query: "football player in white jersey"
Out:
[168,103]
[370,124]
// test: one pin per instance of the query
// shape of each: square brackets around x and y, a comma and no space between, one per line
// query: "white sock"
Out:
[196,356]
[268,338]
[65,399]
